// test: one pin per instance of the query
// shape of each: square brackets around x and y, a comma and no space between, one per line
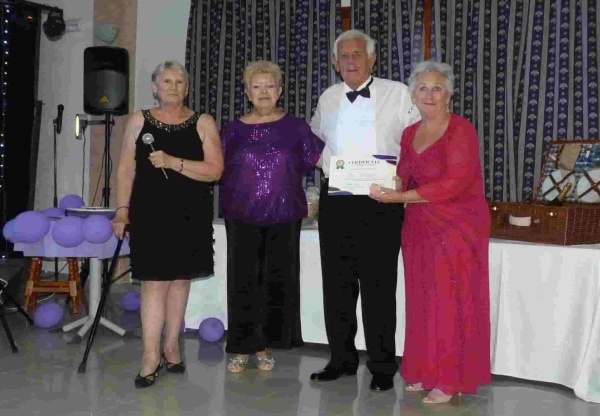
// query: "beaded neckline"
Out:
[170,127]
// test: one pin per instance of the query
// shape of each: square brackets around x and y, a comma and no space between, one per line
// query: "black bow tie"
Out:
[352,95]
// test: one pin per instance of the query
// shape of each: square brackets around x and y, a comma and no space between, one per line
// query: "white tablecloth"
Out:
[545,308]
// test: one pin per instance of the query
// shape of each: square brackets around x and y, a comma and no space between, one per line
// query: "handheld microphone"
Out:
[61,108]
[148,139]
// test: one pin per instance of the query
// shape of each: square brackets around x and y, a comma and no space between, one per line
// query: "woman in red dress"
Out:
[445,241]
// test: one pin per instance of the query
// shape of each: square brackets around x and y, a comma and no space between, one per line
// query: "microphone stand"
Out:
[55,123]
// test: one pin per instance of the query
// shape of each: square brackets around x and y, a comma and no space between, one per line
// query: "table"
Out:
[95,252]
[545,308]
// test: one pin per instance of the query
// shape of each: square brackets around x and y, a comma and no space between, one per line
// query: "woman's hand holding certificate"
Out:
[354,175]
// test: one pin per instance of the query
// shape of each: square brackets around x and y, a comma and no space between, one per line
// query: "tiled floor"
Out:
[42,379]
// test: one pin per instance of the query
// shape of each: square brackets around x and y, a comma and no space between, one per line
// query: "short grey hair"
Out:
[262,67]
[431,66]
[170,66]
[351,35]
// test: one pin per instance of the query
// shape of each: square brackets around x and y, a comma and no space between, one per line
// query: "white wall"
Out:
[161,35]
[61,82]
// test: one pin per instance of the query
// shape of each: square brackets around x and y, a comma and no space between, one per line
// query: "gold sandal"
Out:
[237,364]
[438,397]
[265,363]
[414,387]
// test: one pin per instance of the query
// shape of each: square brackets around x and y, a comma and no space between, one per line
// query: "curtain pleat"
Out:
[225,35]
[526,73]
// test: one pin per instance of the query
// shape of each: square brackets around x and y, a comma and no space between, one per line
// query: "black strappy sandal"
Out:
[178,368]
[147,381]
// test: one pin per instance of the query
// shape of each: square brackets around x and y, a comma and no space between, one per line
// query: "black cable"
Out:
[83,172]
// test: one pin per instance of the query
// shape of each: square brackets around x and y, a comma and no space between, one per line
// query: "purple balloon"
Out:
[211,329]
[31,226]
[54,212]
[68,232]
[9,231]
[97,229]
[71,201]
[131,301]
[48,314]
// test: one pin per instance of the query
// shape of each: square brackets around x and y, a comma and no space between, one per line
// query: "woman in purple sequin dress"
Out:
[267,153]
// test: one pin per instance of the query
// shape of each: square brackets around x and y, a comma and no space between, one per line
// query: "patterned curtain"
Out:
[526,73]
[225,35]
[397,27]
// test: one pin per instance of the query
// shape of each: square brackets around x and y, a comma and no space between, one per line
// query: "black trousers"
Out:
[360,243]
[263,286]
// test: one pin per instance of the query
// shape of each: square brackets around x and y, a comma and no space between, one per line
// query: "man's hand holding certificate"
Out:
[354,175]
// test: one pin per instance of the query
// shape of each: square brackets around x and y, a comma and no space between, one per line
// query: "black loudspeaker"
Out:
[105,80]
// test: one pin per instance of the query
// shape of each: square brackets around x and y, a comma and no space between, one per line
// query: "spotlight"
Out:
[54,26]
[81,123]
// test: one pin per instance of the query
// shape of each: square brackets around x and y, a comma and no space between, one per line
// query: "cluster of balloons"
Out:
[32,226]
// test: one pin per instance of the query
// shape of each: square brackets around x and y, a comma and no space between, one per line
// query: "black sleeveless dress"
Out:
[171,219]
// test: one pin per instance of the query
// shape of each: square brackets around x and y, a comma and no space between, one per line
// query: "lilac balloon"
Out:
[68,232]
[9,231]
[131,301]
[97,229]
[31,226]
[48,314]
[54,212]
[71,201]
[211,329]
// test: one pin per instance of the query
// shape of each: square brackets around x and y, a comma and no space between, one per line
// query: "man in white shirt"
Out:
[360,238]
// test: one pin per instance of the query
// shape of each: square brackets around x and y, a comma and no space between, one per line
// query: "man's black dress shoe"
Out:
[382,383]
[332,373]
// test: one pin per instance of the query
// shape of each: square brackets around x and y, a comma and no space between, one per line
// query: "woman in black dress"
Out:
[166,196]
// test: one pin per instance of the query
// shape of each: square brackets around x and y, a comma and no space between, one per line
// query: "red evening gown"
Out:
[445,251]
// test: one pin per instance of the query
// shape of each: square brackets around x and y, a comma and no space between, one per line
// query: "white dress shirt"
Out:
[344,129]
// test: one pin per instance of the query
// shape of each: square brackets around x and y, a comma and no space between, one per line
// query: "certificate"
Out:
[354,175]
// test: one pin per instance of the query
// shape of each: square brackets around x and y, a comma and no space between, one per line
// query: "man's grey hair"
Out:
[170,65]
[431,66]
[355,34]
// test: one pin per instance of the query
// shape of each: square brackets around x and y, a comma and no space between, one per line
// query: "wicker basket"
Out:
[566,225]
[575,222]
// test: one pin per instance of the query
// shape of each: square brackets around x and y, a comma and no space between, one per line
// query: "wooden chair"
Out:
[35,285]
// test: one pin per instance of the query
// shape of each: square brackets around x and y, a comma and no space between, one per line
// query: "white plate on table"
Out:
[84,212]
[549,184]
[584,185]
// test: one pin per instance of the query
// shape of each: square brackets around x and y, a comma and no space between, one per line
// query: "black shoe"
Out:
[330,373]
[178,368]
[147,381]
[381,383]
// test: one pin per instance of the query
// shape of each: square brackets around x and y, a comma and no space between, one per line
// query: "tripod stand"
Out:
[9,297]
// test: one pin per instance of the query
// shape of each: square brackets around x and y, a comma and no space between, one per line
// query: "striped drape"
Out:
[397,28]
[225,35]
[526,73]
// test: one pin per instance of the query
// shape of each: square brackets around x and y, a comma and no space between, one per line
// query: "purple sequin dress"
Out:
[264,167]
